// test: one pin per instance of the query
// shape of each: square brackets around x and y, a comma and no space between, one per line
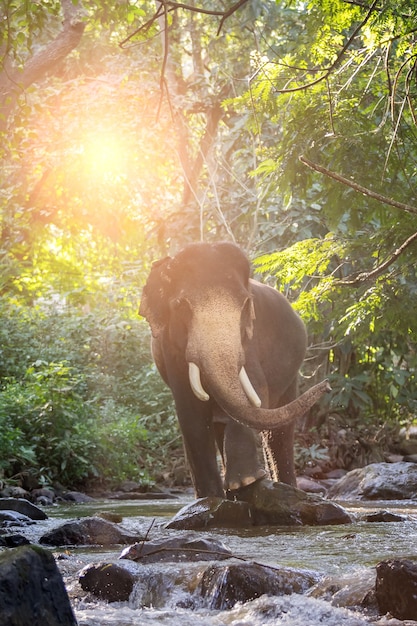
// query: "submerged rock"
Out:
[32,592]
[378,481]
[292,610]
[222,586]
[179,549]
[262,503]
[88,531]
[396,588]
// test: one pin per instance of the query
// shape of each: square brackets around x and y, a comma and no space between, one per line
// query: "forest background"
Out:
[130,128]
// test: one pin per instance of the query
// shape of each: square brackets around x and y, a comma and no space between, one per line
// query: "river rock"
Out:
[22,506]
[179,549]
[222,586]
[262,503]
[284,505]
[378,481]
[88,531]
[32,591]
[13,541]
[396,588]
[214,512]
[113,582]
[13,518]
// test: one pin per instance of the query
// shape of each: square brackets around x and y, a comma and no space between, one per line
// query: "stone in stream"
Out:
[32,592]
[222,586]
[396,588]
[180,549]
[88,531]
[262,503]
[109,581]
[20,505]
[212,511]
[378,481]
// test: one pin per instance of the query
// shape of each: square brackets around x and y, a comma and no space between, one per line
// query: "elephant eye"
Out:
[180,307]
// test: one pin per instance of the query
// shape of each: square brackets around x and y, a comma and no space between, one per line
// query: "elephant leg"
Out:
[200,447]
[279,451]
[279,445]
[241,457]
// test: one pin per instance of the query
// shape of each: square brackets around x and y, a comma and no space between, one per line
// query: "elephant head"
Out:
[200,304]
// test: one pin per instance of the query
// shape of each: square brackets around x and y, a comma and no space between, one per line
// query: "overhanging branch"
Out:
[359,188]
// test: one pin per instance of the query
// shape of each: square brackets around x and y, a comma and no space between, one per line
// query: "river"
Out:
[346,553]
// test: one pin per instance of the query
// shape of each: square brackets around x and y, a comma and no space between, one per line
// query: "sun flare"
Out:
[105,155]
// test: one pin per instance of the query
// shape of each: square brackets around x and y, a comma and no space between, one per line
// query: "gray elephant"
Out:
[230,349]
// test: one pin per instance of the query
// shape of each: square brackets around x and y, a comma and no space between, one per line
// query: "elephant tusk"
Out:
[195,382]
[248,388]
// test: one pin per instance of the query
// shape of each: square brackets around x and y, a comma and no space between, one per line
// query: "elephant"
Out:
[230,349]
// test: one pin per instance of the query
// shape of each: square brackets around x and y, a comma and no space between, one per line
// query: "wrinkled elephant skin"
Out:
[230,349]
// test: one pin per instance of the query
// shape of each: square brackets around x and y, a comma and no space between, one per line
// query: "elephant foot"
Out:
[234,484]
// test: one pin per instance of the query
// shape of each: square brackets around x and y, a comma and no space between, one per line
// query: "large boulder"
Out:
[378,481]
[396,588]
[88,531]
[32,592]
[262,503]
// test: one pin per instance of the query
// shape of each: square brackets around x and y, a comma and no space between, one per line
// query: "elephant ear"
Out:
[155,296]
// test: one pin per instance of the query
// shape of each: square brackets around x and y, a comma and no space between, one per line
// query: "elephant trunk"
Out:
[237,397]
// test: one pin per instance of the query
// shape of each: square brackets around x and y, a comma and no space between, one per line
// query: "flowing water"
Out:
[344,554]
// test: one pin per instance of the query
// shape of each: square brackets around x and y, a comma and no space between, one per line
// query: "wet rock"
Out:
[32,591]
[350,590]
[283,505]
[214,512]
[261,503]
[222,586]
[76,496]
[43,497]
[13,518]
[396,588]
[384,516]
[13,541]
[110,516]
[378,481]
[14,492]
[88,531]
[309,485]
[113,582]
[179,549]
[22,506]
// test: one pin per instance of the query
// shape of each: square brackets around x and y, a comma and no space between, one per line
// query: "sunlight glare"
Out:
[105,156]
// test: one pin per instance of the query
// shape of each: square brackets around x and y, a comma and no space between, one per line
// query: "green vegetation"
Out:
[127,132]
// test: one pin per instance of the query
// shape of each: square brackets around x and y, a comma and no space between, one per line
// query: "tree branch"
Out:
[380,269]
[357,187]
[327,71]
[15,81]
[167,6]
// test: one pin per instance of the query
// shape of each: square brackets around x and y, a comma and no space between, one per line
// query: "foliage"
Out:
[77,400]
